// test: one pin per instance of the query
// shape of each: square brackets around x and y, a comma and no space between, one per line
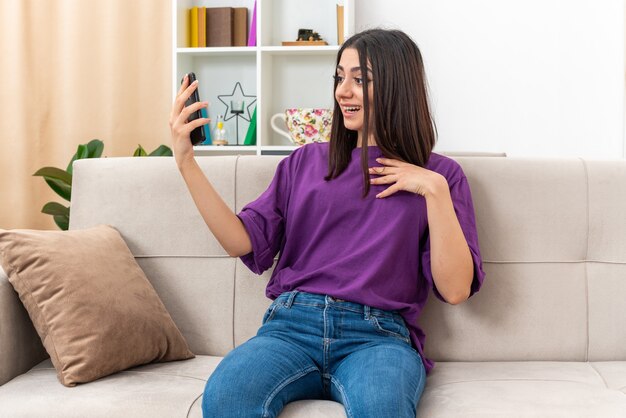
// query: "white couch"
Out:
[545,337]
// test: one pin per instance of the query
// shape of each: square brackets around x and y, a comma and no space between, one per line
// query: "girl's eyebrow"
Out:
[354,69]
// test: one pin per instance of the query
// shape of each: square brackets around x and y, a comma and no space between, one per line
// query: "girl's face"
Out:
[349,91]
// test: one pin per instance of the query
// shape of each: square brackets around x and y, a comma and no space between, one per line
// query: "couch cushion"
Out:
[613,373]
[313,409]
[91,304]
[606,260]
[523,390]
[525,311]
[453,390]
[170,224]
[20,347]
[196,292]
[249,305]
[155,390]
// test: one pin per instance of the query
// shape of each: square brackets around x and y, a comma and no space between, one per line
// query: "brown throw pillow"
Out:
[93,307]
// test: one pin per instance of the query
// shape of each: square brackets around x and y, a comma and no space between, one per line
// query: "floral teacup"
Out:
[305,125]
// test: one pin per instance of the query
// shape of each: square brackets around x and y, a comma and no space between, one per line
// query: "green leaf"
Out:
[53,173]
[140,152]
[61,189]
[69,166]
[162,151]
[54,208]
[81,152]
[95,148]
[62,222]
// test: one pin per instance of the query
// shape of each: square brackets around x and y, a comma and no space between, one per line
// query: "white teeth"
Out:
[352,108]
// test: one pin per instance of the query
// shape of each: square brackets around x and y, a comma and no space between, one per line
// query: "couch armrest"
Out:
[20,346]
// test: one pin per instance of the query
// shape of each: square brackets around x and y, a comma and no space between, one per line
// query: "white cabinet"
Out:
[280,77]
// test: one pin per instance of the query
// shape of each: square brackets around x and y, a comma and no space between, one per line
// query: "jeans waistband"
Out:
[297,297]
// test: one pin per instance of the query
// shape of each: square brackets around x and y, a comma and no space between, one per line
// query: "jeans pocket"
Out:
[393,327]
[271,311]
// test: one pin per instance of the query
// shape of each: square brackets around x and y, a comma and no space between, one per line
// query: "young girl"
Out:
[366,225]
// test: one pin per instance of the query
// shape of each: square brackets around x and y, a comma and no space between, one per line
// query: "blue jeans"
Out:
[317,347]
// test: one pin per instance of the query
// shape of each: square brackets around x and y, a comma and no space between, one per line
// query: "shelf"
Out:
[251,50]
[301,50]
[220,51]
[225,150]
[279,147]
[281,77]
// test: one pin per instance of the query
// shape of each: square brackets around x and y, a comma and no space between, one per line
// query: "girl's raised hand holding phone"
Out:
[180,126]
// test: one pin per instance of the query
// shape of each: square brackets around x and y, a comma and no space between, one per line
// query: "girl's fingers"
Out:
[390,162]
[195,123]
[388,191]
[179,103]
[187,111]
[183,85]
[380,170]
[182,88]
[384,180]
[181,132]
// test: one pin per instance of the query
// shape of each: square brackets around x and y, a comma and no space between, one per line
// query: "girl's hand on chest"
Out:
[407,177]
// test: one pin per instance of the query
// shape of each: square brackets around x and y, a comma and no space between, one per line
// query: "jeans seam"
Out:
[421,385]
[270,315]
[282,385]
[341,390]
[325,344]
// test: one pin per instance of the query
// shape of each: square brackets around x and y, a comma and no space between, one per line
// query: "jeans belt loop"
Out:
[366,312]
[290,299]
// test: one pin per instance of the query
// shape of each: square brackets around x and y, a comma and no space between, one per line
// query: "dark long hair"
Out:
[403,126]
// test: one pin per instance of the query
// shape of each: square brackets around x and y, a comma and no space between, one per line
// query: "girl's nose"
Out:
[343,90]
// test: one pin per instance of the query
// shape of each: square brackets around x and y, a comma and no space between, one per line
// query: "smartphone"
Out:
[197,135]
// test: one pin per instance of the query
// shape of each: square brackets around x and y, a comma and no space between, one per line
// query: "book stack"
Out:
[217,26]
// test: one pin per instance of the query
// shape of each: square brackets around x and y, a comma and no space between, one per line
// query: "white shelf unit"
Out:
[280,77]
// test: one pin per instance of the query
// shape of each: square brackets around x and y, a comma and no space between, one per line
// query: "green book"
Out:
[251,134]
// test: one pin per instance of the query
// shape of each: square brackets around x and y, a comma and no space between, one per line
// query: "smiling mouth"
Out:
[351,109]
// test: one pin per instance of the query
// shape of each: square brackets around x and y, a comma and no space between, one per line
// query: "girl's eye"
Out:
[338,78]
[358,80]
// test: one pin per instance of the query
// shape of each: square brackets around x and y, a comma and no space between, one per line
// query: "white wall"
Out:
[527,77]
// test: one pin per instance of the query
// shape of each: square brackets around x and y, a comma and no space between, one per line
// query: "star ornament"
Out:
[236,95]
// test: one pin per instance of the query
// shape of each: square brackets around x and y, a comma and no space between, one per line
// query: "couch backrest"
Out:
[552,234]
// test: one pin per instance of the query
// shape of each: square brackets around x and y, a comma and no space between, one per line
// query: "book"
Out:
[201,27]
[252,34]
[193,27]
[251,134]
[219,26]
[207,129]
[240,27]
[339,24]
